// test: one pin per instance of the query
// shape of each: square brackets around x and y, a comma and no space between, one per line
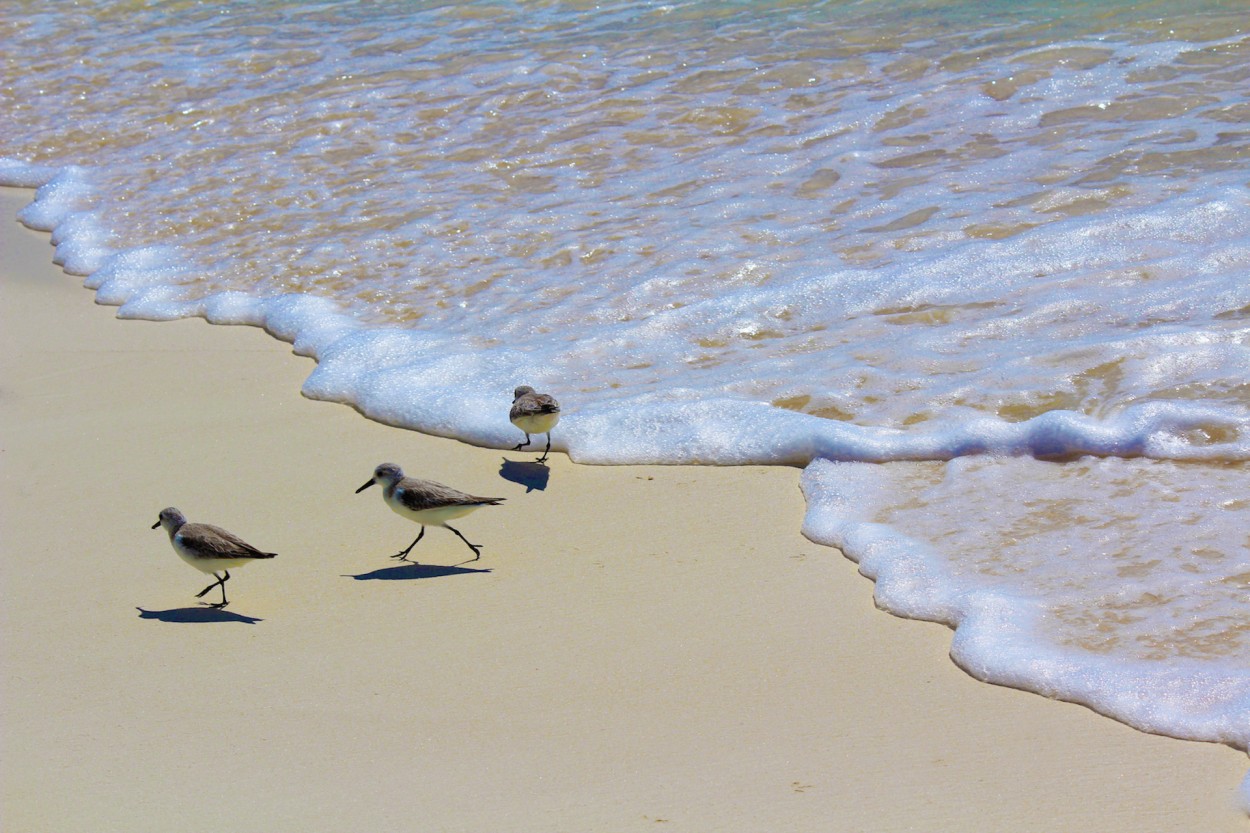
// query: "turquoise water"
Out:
[980,268]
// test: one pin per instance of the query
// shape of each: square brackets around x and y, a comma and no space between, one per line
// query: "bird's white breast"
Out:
[536,423]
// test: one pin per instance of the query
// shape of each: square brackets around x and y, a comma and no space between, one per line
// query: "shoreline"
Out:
[637,645]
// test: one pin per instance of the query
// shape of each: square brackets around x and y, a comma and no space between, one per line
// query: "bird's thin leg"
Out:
[220,582]
[519,446]
[202,593]
[546,451]
[403,556]
[224,578]
[476,552]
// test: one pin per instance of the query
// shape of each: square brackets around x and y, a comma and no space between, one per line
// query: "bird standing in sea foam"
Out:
[426,502]
[534,413]
[208,549]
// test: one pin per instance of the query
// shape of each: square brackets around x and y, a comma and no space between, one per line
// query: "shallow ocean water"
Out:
[986,268]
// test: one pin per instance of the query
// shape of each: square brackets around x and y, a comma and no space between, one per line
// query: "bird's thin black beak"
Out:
[155,525]
[366,486]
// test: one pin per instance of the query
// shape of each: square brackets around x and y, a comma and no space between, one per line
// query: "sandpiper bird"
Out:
[534,413]
[208,549]
[426,502]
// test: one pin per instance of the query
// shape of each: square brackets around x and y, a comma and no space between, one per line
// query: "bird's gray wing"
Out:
[426,494]
[534,404]
[221,542]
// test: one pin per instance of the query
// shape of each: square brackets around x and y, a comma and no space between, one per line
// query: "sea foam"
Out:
[446,386]
[1007,606]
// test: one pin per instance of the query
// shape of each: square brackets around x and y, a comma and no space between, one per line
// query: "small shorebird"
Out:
[208,549]
[534,413]
[425,502]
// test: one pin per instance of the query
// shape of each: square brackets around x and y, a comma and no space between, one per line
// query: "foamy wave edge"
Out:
[992,631]
[417,381]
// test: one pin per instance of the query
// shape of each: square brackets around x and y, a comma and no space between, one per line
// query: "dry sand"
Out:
[639,648]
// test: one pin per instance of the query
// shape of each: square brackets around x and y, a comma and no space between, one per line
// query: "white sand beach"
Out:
[639,648]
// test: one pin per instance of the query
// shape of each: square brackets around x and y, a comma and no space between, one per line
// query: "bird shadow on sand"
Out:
[412,572]
[529,473]
[197,615]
